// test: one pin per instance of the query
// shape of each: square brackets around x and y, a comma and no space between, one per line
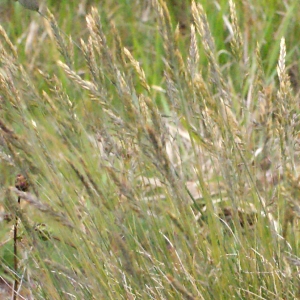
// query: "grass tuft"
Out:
[162,158]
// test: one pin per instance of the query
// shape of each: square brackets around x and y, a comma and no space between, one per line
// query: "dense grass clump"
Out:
[160,143]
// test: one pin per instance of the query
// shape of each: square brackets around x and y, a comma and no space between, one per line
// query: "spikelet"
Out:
[138,69]
[166,30]
[193,59]
[60,41]
[284,82]
[8,41]
[87,85]
[89,55]
[236,42]
[208,43]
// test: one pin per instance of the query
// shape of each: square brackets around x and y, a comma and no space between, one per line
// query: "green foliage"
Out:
[160,141]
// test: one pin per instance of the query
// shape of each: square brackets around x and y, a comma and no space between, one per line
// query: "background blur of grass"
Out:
[162,157]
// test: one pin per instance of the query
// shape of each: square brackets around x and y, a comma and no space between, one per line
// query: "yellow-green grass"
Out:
[163,159]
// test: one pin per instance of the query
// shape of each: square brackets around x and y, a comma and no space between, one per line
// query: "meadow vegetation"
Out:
[160,140]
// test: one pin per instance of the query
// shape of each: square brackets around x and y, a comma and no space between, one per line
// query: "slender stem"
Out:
[16,283]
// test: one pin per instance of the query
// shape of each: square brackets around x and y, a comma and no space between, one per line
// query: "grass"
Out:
[162,159]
